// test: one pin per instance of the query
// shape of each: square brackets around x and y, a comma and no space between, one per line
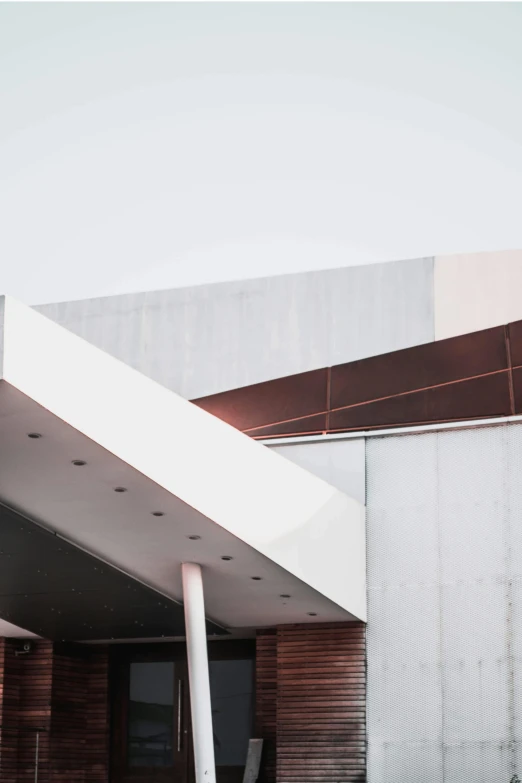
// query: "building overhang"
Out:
[472,376]
[277,544]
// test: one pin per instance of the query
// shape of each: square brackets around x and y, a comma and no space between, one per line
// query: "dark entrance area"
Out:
[151,737]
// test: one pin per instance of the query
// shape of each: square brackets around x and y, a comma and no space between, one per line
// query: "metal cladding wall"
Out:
[445,606]
[206,339]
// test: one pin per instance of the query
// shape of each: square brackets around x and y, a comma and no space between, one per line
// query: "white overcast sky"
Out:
[147,146]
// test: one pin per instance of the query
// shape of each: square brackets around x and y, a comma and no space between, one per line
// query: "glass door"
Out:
[232,699]
[151,737]
[151,730]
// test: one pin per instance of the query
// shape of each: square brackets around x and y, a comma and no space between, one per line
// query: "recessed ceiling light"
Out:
[226,557]
[79,462]
[194,538]
[284,595]
[158,513]
[33,435]
[120,489]
[312,614]
[256,578]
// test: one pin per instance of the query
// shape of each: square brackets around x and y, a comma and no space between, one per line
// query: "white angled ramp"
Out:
[196,489]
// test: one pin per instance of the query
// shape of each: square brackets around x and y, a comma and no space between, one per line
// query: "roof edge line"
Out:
[358,434]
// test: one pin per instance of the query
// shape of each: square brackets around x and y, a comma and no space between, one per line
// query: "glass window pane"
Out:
[231,691]
[151,714]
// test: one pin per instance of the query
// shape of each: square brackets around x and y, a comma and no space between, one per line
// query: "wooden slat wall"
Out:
[80,716]
[266,701]
[9,694]
[321,703]
[30,709]
[310,708]
[65,693]
[68,719]
[98,723]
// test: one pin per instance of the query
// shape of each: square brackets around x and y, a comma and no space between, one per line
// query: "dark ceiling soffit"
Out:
[476,375]
[56,590]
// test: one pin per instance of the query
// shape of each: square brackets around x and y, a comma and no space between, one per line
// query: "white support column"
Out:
[199,681]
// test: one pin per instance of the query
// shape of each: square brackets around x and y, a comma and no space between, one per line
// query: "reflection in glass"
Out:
[151,714]
[231,692]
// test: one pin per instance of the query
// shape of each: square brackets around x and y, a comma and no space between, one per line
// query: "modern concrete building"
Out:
[285,509]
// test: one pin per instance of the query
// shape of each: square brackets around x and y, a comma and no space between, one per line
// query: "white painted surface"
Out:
[339,462]
[206,339]
[278,521]
[197,657]
[477,290]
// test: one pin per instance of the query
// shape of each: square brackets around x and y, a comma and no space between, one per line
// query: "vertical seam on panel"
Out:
[507,341]
[440,613]
[509,604]
[328,396]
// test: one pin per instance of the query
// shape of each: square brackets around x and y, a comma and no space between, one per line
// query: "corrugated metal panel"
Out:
[445,606]
[321,703]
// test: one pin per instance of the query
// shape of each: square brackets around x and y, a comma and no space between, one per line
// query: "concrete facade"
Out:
[339,462]
[202,340]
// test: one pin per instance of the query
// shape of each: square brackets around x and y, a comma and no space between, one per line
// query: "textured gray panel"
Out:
[339,462]
[207,339]
[445,606]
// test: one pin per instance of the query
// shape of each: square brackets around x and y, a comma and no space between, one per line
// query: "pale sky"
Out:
[147,146]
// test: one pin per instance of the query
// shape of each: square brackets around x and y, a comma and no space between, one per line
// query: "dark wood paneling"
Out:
[321,703]
[26,711]
[9,719]
[79,735]
[266,701]
[310,706]
[63,695]
[98,717]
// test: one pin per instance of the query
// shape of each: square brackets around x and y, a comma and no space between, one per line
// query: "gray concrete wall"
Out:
[206,339]
[444,567]
[339,462]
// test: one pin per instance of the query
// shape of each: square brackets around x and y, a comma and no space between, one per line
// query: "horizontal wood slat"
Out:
[266,701]
[63,692]
[310,708]
[321,703]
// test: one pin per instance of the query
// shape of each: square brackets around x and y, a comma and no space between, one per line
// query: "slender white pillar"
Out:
[199,681]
